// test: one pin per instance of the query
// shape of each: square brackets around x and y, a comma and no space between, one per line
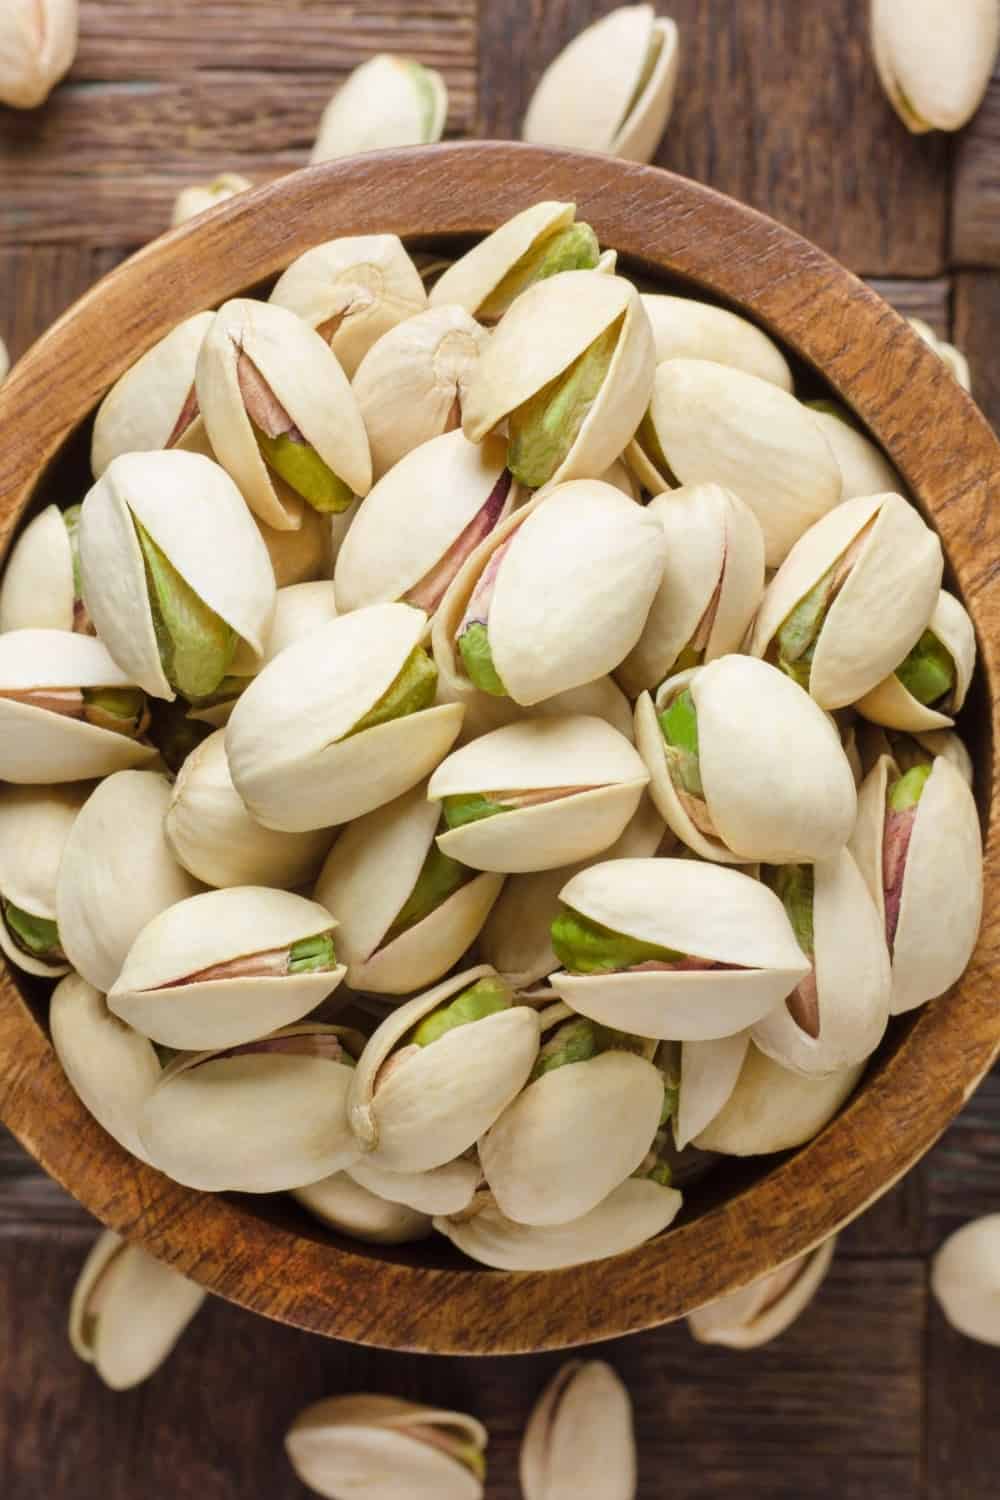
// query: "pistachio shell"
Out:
[965,1279]
[305,554]
[447,1189]
[469,281]
[412,385]
[356,1447]
[143,409]
[35,824]
[117,873]
[38,747]
[892,705]
[630,1215]
[387,101]
[536,754]
[37,591]
[128,1311]
[864,468]
[111,1068]
[211,833]
[292,756]
[934,63]
[709,1071]
[346,1206]
[766,1308]
[352,291]
[37,46]
[684,328]
[772,1109]
[946,742]
[621,477]
[579,1437]
[201,196]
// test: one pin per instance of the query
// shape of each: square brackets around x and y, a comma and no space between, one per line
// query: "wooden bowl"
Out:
[747,1218]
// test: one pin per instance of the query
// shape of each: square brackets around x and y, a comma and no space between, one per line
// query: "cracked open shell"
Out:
[35,824]
[305,554]
[570,370]
[929,686]
[864,468]
[673,949]
[537,794]
[447,1189]
[909,750]
[387,101]
[412,385]
[128,1311]
[280,413]
[343,721]
[965,1279]
[175,575]
[112,1068]
[352,291]
[37,45]
[381,1448]
[838,1014]
[407,912]
[710,423]
[711,585]
[761,1311]
[934,64]
[919,847]
[262,1118]
[852,598]
[422,520]
[59,692]
[684,328]
[744,765]
[226,967]
[344,1205]
[418,1103]
[39,589]
[611,89]
[579,1437]
[117,873]
[153,404]
[629,1216]
[774,1109]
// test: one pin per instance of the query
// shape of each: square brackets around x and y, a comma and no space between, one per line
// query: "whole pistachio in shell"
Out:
[128,1311]
[934,64]
[954,359]
[67,711]
[744,766]
[929,685]
[387,101]
[580,1437]
[673,949]
[305,554]
[280,413]
[37,46]
[864,468]
[569,370]
[352,291]
[40,588]
[705,1074]
[447,1189]
[611,89]
[536,243]
[918,844]
[35,825]
[380,1448]
[421,522]
[684,328]
[344,1205]
[965,1279]
[439,1070]
[413,383]
[773,1109]
[537,794]
[342,722]
[711,585]
[852,599]
[265,1117]
[201,196]
[407,911]
[758,1313]
[226,967]
[154,403]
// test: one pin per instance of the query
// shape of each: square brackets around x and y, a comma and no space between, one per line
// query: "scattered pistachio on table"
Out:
[965,1279]
[933,62]
[194,200]
[37,46]
[387,101]
[579,1439]
[758,1313]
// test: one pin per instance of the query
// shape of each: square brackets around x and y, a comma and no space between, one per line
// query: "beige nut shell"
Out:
[934,63]
[37,591]
[758,1313]
[470,280]
[580,1436]
[35,825]
[380,105]
[684,328]
[141,411]
[344,1205]
[891,705]
[773,1109]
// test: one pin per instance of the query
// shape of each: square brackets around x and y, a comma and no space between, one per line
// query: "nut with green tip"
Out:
[387,101]
[40,587]
[929,686]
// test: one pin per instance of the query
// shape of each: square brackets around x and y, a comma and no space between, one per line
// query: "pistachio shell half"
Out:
[35,824]
[580,1436]
[534,244]
[929,686]
[387,101]
[965,1279]
[773,1109]
[708,1074]
[153,404]
[40,589]
[344,1205]
[761,1311]
[447,1189]
[684,328]
[864,468]
[934,66]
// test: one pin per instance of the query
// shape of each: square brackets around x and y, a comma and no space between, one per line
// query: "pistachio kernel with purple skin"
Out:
[902,801]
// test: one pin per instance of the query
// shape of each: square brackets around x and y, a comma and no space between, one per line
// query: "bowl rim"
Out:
[890,379]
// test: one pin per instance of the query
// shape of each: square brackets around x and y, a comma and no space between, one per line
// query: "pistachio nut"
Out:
[112,1068]
[202,196]
[570,370]
[773,1109]
[600,699]
[965,1279]
[633,1213]
[611,89]
[934,65]
[537,794]
[280,413]
[909,750]
[37,46]
[536,243]
[67,711]
[407,911]
[413,383]
[128,1311]
[580,1437]
[387,101]
[352,291]
[745,766]
[40,588]
[918,845]
[838,1014]
[711,423]
[35,824]
[711,585]
[864,468]
[929,685]
[758,1313]
[265,1117]
[344,1205]
[226,967]
[852,599]
[672,948]
[380,1448]
[305,554]
[421,522]
[447,1189]
[954,359]
[153,405]
[439,1070]
[342,722]
[684,328]
[701,1075]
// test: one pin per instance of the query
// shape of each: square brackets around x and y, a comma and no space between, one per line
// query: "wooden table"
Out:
[870,1396]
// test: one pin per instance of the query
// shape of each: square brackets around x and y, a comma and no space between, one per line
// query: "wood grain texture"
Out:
[975,212]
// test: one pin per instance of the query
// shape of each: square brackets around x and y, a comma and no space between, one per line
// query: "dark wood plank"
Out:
[31,1201]
[930,300]
[977,309]
[963,1437]
[964,1168]
[41,282]
[975,217]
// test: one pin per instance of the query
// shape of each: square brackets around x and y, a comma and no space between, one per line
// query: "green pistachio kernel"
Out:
[576,1041]
[440,877]
[472,1457]
[196,646]
[122,710]
[907,791]
[426,96]
[477,656]
[315,955]
[36,936]
[470,807]
[794,885]
[71,520]
[798,634]
[302,469]
[543,430]
[574,248]
[679,727]
[661,1174]
[484,998]
[586,947]
[412,690]
[928,673]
